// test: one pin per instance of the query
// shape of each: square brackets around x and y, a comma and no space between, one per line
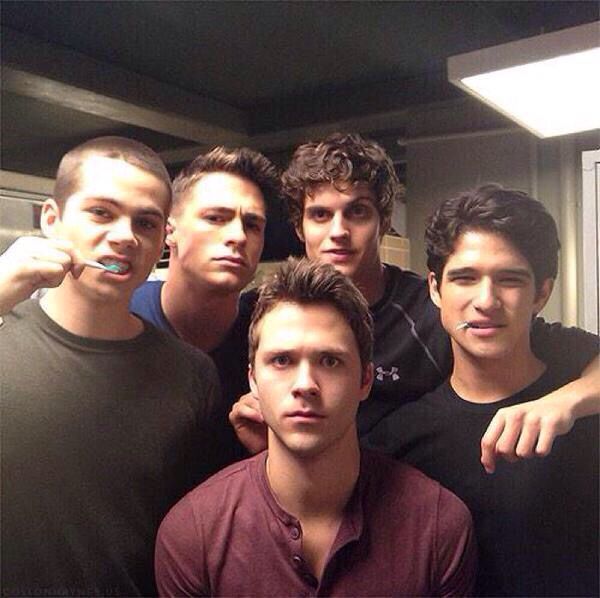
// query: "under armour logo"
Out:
[381,373]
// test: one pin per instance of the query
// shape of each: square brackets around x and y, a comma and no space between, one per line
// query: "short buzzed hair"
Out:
[305,282]
[243,162]
[118,148]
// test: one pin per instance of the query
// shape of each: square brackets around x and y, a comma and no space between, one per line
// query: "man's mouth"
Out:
[115,266]
[232,259]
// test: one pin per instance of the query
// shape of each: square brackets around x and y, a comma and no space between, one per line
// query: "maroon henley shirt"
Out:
[402,534]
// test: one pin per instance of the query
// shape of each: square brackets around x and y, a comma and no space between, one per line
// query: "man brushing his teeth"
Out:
[106,421]
[493,255]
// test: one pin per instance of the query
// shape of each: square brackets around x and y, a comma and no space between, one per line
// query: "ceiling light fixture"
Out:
[549,84]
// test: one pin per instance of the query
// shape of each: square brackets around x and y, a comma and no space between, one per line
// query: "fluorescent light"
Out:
[549,84]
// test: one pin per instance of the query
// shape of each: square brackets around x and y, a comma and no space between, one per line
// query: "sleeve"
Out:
[573,347]
[456,556]
[213,440]
[179,555]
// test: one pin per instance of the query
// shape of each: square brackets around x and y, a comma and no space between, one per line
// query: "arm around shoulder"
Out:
[456,547]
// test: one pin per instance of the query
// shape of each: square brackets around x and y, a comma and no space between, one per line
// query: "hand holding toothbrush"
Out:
[31,263]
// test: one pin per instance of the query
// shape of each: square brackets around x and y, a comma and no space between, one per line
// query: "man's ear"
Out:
[367,380]
[542,295]
[50,218]
[434,290]
[170,229]
[252,381]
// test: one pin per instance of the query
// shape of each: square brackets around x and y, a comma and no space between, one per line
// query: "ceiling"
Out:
[184,76]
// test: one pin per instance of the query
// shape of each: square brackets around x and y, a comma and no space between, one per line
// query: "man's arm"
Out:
[456,561]
[179,555]
[31,263]
[529,429]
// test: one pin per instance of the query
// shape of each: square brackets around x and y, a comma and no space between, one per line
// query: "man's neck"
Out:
[484,380]
[201,316]
[320,486]
[371,283]
[79,315]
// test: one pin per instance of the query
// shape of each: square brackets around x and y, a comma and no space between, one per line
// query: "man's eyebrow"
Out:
[523,272]
[144,211]
[254,216]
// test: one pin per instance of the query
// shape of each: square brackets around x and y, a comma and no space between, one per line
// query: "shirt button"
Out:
[295,533]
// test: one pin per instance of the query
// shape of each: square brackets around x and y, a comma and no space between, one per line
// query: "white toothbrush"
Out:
[114,268]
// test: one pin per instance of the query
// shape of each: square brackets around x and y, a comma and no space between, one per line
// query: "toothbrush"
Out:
[114,268]
[463,325]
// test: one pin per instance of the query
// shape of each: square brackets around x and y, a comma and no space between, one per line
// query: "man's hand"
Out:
[525,430]
[247,420]
[31,263]
[529,429]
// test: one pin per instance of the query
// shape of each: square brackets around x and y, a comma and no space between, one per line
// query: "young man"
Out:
[216,236]
[110,423]
[341,193]
[493,257]
[314,515]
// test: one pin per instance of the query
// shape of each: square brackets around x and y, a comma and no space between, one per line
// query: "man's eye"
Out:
[329,361]
[280,360]
[360,211]
[146,223]
[512,281]
[214,218]
[100,212]
[318,215]
[254,225]
[464,279]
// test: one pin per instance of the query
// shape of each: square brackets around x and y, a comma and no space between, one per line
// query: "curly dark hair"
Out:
[341,159]
[306,282]
[243,162]
[519,218]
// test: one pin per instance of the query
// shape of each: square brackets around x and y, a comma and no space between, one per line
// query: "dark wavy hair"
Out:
[341,159]
[305,282]
[243,162]
[118,148]
[519,218]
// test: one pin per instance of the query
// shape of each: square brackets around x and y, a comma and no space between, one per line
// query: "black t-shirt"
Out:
[536,520]
[412,353]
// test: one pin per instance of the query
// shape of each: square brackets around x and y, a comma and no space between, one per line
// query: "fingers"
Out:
[31,263]
[247,407]
[247,420]
[545,441]
[244,410]
[523,431]
[488,443]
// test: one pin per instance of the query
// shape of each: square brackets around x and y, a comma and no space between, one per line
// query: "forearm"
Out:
[12,291]
[583,394]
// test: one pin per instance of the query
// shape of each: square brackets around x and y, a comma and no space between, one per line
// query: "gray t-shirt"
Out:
[99,439]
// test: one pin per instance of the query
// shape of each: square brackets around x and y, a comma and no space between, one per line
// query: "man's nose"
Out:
[122,232]
[339,227]
[487,297]
[305,384]
[235,231]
